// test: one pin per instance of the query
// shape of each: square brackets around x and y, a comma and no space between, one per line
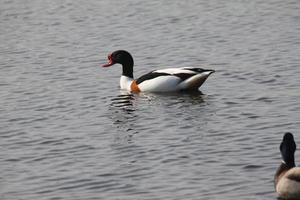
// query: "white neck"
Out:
[125,82]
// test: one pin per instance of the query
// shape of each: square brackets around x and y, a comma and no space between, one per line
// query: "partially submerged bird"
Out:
[164,80]
[287,177]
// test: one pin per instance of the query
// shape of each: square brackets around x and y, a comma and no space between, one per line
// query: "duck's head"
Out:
[288,148]
[121,57]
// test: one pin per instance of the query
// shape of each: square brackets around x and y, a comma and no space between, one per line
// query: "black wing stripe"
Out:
[183,76]
[149,76]
[198,70]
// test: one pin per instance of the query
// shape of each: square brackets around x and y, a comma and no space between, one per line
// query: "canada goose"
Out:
[287,177]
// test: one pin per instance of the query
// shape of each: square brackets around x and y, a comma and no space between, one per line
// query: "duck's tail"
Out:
[194,82]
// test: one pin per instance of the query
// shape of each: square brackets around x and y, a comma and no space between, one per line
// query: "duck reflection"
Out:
[126,107]
[184,98]
[132,113]
[122,108]
[124,101]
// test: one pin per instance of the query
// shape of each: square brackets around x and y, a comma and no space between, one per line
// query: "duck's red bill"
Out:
[110,61]
[108,64]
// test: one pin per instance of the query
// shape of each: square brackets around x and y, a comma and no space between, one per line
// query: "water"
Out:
[68,132]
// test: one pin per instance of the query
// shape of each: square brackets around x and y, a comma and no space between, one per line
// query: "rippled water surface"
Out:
[68,132]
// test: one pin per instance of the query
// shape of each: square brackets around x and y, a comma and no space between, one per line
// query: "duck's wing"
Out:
[294,174]
[158,82]
[183,73]
[198,70]
[150,76]
[173,79]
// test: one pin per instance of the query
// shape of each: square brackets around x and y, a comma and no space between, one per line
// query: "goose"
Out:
[163,80]
[287,177]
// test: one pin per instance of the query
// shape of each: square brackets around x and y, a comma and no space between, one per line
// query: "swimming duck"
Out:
[287,177]
[164,80]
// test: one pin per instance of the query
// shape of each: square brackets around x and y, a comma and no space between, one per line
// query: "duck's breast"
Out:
[289,185]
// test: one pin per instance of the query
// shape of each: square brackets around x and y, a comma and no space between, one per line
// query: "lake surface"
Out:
[68,132]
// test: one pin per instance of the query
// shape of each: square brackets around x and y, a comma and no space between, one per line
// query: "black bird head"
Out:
[124,58]
[288,148]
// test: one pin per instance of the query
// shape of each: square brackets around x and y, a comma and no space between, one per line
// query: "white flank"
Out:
[160,84]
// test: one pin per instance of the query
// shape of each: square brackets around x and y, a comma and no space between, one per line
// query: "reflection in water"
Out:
[123,101]
[176,98]
[125,106]
[67,131]
[123,115]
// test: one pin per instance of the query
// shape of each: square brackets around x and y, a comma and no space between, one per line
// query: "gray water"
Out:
[68,132]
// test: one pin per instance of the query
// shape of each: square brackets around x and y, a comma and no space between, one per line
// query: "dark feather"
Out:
[293,177]
[184,76]
[149,76]
[198,70]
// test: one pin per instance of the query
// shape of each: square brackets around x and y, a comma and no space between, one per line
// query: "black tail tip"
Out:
[211,70]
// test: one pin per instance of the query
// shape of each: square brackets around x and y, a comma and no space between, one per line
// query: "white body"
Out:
[167,83]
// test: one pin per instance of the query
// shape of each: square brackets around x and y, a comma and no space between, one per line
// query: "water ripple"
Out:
[68,132]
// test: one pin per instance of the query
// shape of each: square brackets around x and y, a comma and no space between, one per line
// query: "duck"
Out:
[287,177]
[162,80]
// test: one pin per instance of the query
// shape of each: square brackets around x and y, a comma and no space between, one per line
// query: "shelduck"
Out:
[164,80]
